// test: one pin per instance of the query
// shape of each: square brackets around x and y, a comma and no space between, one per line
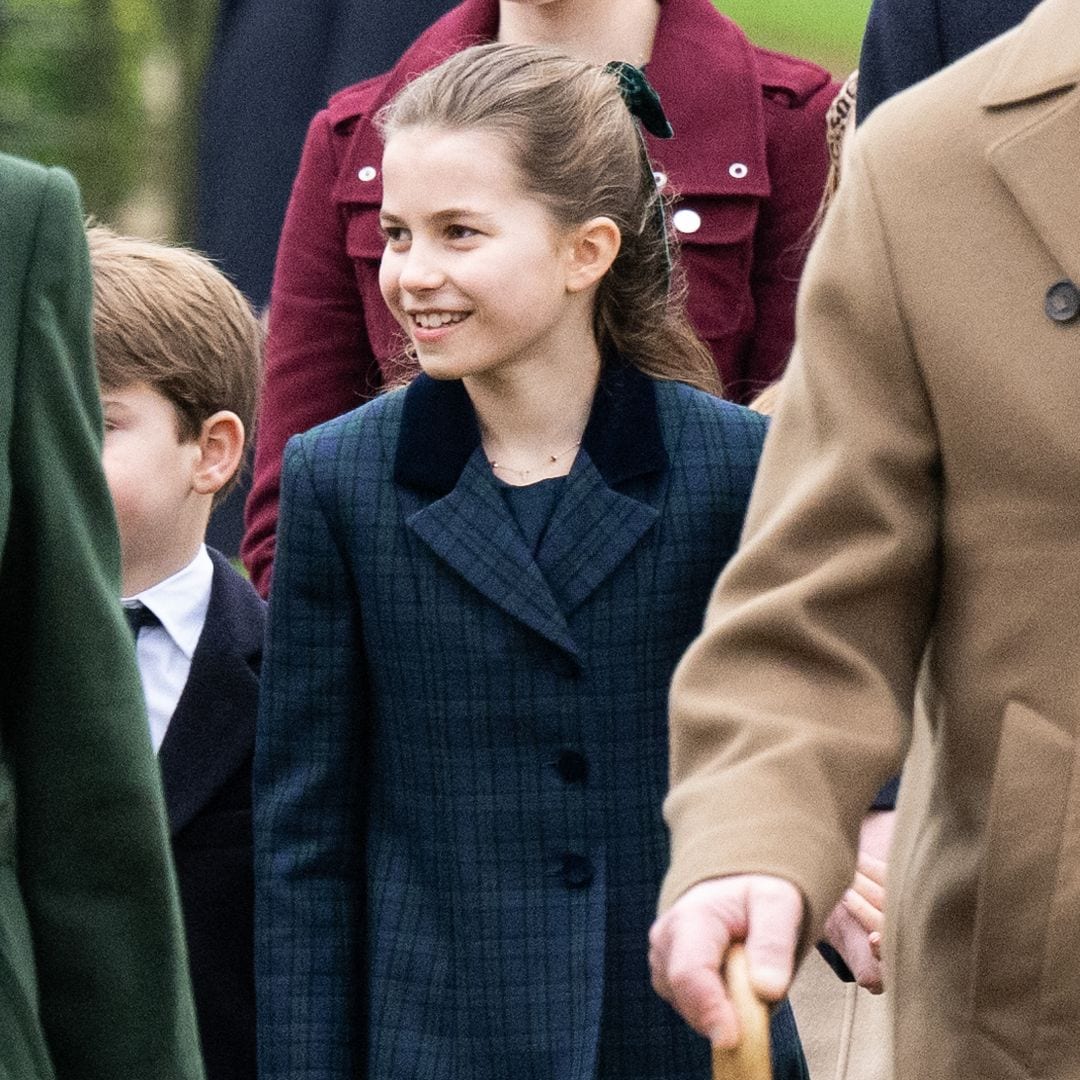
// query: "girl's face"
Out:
[475,269]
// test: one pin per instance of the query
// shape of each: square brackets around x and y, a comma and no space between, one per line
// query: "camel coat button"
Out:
[1063,301]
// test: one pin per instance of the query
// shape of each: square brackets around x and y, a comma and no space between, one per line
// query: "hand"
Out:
[865,899]
[687,946]
[846,935]
[856,924]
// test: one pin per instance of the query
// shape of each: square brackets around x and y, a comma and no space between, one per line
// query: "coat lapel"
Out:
[469,526]
[1035,155]
[608,504]
[594,528]
[472,530]
[212,731]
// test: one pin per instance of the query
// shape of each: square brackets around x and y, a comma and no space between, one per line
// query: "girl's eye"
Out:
[396,235]
[460,232]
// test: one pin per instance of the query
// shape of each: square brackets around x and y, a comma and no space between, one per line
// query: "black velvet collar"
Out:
[439,431]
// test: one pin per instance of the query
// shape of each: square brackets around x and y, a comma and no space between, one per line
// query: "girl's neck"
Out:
[593,30]
[531,421]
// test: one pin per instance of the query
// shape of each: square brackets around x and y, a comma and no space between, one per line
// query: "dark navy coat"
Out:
[906,41]
[205,761]
[463,748]
[272,67]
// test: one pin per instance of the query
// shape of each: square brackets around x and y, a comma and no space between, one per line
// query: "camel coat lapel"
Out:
[1035,154]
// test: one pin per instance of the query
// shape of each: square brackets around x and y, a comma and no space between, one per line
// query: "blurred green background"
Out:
[109,89]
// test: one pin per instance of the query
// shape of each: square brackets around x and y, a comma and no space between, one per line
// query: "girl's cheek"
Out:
[388,278]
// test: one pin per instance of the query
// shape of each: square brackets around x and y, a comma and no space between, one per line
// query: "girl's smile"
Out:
[429,326]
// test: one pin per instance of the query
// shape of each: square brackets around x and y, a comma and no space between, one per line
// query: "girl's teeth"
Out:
[430,320]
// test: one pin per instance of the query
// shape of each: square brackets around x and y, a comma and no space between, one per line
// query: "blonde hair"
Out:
[577,149]
[166,316]
[839,127]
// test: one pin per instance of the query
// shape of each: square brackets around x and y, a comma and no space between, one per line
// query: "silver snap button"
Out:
[686,221]
[737,170]
[660,178]
[367,173]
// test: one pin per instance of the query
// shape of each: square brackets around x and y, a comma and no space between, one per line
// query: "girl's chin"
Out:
[436,367]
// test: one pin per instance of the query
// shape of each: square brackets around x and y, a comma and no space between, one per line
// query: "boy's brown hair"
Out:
[165,316]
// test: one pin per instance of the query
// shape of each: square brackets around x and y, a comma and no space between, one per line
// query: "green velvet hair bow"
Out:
[644,104]
[641,99]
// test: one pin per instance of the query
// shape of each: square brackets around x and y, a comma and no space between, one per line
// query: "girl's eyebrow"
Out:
[386,217]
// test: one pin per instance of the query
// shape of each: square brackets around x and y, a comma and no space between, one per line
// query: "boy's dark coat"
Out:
[205,763]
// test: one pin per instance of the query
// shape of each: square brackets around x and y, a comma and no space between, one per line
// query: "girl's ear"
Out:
[593,247]
[221,445]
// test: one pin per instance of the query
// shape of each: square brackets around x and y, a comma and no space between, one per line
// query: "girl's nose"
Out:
[420,271]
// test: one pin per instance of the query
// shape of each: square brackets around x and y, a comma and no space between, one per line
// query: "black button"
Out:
[572,766]
[577,870]
[1063,301]
[565,667]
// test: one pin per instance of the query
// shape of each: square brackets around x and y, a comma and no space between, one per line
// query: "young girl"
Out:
[484,583]
[744,172]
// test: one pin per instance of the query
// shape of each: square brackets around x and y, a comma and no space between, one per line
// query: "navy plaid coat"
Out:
[462,748]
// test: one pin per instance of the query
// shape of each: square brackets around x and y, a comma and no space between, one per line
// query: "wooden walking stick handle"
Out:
[750,1059]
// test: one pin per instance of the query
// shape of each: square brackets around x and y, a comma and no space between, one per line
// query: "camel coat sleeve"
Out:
[793,706]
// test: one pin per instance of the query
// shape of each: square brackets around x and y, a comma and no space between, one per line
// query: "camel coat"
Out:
[919,503]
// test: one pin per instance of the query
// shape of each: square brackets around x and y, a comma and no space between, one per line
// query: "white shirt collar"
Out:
[180,601]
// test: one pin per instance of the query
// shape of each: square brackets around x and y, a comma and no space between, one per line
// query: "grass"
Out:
[827,31]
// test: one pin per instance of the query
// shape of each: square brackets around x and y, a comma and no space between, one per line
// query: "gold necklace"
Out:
[526,473]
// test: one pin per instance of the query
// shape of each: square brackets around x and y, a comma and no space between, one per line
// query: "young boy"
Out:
[178,353]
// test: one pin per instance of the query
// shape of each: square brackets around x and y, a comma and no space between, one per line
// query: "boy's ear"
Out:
[221,446]
[593,247]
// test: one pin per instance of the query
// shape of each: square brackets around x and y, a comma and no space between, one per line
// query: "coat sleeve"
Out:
[794,704]
[307,801]
[798,162]
[901,46]
[319,362]
[93,862]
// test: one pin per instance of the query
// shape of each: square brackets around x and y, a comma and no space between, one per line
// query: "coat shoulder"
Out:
[701,430]
[898,131]
[359,100]
[18,176]
[238,604]
[359,439]
[792,82]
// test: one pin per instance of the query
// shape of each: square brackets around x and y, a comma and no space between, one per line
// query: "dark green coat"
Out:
[93,977]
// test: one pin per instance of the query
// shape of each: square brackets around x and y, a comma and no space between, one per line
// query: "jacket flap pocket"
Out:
[363,237]
[711,221]
[1031,799]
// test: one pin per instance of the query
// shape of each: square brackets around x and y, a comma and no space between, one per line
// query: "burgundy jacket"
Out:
[747,166]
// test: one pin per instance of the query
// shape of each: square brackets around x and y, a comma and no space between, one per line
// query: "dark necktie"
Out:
[138,616]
